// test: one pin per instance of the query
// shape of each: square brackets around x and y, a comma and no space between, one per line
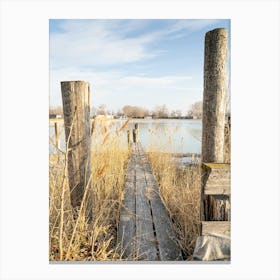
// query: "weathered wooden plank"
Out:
[145,238]
[126,230]
[216,189]
[213,165]
[169,249]
[148,234]
[127,224]
[217,208]
[216,179]
[221,228]
[165,235]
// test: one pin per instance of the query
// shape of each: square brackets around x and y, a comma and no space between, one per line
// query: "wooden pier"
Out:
[145,230]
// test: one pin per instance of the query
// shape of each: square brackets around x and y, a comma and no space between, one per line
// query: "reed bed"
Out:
[84,239]
[180,189]
[95,239]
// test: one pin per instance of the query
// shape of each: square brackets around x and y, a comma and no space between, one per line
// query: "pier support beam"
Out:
[214,112]
[215,184]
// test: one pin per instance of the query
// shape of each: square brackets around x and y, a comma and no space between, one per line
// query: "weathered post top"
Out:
[214,95]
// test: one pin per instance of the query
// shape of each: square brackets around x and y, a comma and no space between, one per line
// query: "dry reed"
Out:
[84,239]
[180,189]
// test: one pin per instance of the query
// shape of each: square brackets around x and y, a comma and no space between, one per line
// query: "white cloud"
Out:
[84,45]
[101,42]
[96,43]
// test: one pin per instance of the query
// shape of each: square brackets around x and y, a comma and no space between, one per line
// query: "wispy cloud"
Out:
[96,43]
[99,43]
[130,61]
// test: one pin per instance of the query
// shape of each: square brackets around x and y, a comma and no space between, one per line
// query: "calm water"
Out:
[176,136]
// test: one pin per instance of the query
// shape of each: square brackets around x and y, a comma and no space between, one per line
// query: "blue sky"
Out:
[131,62]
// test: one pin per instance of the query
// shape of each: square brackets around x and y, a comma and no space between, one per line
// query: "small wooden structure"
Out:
[145,230]
[215,186]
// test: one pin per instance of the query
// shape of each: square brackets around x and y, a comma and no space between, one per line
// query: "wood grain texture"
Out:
[216,192]
[154,238]
[216,228]
[165,235]
[216,179]
[214,95]
[76,111]
[145,237]
[127,224]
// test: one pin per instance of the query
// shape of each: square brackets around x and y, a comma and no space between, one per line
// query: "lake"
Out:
[172,136]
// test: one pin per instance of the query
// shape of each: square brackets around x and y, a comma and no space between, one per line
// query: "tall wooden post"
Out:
[215,173]
[76,110]
[214,95]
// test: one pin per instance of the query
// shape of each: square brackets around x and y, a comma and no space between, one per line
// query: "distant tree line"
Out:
[135,111]
[131,111]
[55,110]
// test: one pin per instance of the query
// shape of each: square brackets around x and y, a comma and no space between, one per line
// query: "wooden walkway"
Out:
[145,231]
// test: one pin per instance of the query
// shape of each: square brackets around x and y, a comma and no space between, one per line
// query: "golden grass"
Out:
[180,189]
[81,239]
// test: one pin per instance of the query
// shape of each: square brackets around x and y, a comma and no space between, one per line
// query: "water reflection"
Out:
[175,136]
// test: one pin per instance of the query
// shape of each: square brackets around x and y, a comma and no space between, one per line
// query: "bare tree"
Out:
[196,110]
[161,111]
[135,111]
[101,110]
[128,110]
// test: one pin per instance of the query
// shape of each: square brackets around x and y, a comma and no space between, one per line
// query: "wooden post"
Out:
[135,133]
[76,110]
[215,192]
[214,95]
[57,135]
[128,138]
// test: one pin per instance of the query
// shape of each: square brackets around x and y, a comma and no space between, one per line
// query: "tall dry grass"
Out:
[95,240]
[180,189]
[82,239]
